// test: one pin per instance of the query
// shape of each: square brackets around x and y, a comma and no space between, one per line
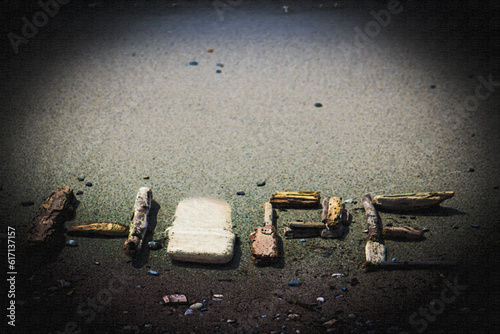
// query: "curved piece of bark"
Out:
[411,202]
[296,200]
[139,223]
[403,233]
[373,219]
[47,228]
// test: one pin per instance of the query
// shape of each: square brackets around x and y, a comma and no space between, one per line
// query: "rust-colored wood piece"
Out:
[47,228]
[296,200]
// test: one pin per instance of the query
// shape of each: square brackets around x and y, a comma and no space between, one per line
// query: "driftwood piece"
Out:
[297,233]
[373,219]
[296,200]
[402,233]
[411,202]
[315,225]
[264,245]
[375,252]
[333,215]
[139,223]
[410,265]
[269,214]
[47,228]
[89,229]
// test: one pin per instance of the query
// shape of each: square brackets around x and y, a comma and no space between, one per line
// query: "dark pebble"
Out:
[471,169]
[219,65]
[133,54]
[145,177]
[88,184]
[218,71]
[455,227]
[81,178]
[240,193]
[193,63]
[294,283]
[495,187]
[475,226]
[79,192]
[318,105]
[27,203]
[433,86]
[261,183]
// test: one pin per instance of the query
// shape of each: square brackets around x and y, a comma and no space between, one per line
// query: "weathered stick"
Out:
[86,229]
[296,200]
[373,219]
[263,240]
[409,264]
[314,225]
[411,202]
[402,233]
[139,223]
[47,228]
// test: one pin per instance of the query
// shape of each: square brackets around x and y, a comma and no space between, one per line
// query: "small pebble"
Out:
[303,240]
[210,50]
[261,183]
[455,227]
[263,316]
[294,283]
[218,71]
[240,193]
[27,203]
[193,63]
[196,306]
[219,65]
[433,86]
[148,325]
[146,177]
[152,272]
[72,243]
[318,105]
[293,316]
[425,229]
[88,184]
[339,296]
[338,275]
[475,226]
[81,178]
[154,245]
[320,299]
[394,259]
[97,263]
[189,311]
[203,310]
[471,169]
[352,316]
[79,192]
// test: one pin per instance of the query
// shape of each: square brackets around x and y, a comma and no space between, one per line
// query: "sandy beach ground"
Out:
[103,90]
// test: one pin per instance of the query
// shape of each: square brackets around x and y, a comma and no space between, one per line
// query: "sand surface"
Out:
[104,90]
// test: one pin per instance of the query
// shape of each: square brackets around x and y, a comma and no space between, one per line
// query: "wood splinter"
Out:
[139,224]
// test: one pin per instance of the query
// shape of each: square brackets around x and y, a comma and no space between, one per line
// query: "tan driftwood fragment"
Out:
[108,229]
[411,202]
[296,200]
[402,233]
[375,252]
[139,224]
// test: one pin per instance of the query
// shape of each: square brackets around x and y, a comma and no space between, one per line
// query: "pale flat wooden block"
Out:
[202,232]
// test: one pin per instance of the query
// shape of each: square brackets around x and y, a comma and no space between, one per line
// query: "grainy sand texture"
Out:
[208,98]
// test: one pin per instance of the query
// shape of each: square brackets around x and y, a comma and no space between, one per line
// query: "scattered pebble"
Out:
[263,316]
[219,65]
[475,226]
[146,177]
[240,193]
[293,316]
[338,275]
[339,296]
[97,263]
[455,227]
[193,63]
[330,323]
[88,184]
[425,229]
[294,283]
[318,105]
[189,311]
[218,71]
[210,50]
[148,325]
[365,231]
[79,192]
[303,240]
[350,200]
[352,316]
[471,169]
[320,299]
[81,178]
[261,183]
[196,306]
[152,272]
[230,321]
[154,245]
[72,243]
[344,289]
[394,259]
[433,86]
[27,203]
